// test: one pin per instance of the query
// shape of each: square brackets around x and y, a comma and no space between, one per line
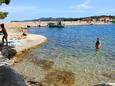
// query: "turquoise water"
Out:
[78,41]
[73,49]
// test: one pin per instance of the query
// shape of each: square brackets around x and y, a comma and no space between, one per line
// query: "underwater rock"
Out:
[8,77]
[59,78]
[33,83]
[109,75]
[106,84]
[45,64]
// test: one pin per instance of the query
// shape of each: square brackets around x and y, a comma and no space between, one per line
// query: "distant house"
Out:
[105,19]
[88,20]
[95,20]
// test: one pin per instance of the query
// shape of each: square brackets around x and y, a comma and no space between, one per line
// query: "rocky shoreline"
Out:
[10,75]
[13,53]
[45,23]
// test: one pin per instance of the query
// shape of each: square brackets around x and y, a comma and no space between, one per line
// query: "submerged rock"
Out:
[8,77]
[33,83]
[59,78]
[106,84]
[45,64]
[109,75]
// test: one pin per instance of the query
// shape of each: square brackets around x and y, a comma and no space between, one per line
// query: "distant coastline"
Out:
[43,22]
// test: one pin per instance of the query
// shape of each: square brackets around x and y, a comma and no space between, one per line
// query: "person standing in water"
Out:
[98,44]
[5,34]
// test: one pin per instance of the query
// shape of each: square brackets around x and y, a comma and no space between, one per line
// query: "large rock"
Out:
[8,52]
[8,77]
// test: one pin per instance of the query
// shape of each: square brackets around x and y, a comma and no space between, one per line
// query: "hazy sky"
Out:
[32,9]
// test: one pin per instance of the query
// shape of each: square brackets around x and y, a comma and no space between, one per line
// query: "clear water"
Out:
[73,49]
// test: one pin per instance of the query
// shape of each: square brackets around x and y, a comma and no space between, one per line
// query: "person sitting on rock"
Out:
[24,32]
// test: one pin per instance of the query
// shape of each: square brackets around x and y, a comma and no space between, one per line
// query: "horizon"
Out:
[29,10]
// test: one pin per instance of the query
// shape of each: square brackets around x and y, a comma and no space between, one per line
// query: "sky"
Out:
[34,9]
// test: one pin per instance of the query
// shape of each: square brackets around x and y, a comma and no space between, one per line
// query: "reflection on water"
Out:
[73,49]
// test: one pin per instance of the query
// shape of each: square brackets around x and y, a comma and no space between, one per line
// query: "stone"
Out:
[59,78]
[45,64]
[8,77]
[8,52]
[106,84]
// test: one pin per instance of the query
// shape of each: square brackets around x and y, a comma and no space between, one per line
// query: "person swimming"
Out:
[98,44]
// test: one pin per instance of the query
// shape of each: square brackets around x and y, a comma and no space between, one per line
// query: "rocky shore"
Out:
[13,53]
[10,62]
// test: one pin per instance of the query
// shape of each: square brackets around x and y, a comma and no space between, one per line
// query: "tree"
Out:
[4,14]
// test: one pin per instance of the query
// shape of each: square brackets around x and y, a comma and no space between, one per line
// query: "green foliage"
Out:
[4,14]
[5,2]
[73,19]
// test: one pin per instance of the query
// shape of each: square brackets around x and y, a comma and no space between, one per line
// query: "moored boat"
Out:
[56,25]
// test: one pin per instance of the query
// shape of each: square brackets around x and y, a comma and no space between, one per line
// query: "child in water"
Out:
[5,34]
[98,44]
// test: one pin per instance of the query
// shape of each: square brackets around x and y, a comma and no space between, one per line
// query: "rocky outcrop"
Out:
[8,77]
[8,52]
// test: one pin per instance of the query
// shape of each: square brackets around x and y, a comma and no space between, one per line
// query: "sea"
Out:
[72,48]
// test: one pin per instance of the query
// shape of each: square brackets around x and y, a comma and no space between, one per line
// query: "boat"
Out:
[56,25]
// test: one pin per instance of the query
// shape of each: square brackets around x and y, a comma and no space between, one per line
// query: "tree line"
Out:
[72,19]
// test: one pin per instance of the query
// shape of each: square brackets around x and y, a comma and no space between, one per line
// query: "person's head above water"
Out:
[97,39]
[97,42]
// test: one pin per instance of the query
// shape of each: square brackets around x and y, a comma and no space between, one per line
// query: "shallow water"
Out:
[73,49]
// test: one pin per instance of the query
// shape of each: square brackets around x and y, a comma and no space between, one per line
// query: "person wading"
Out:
[98,44]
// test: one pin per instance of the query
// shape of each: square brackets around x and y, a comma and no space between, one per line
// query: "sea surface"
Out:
[73,49]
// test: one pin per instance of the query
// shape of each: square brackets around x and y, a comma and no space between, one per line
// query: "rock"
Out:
[2,59]
[8,52]
[59,78]
[33,83]
[8,77]
[45,64]
[106,84]
[109,75]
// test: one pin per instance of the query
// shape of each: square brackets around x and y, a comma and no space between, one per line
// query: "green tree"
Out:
[4,14]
